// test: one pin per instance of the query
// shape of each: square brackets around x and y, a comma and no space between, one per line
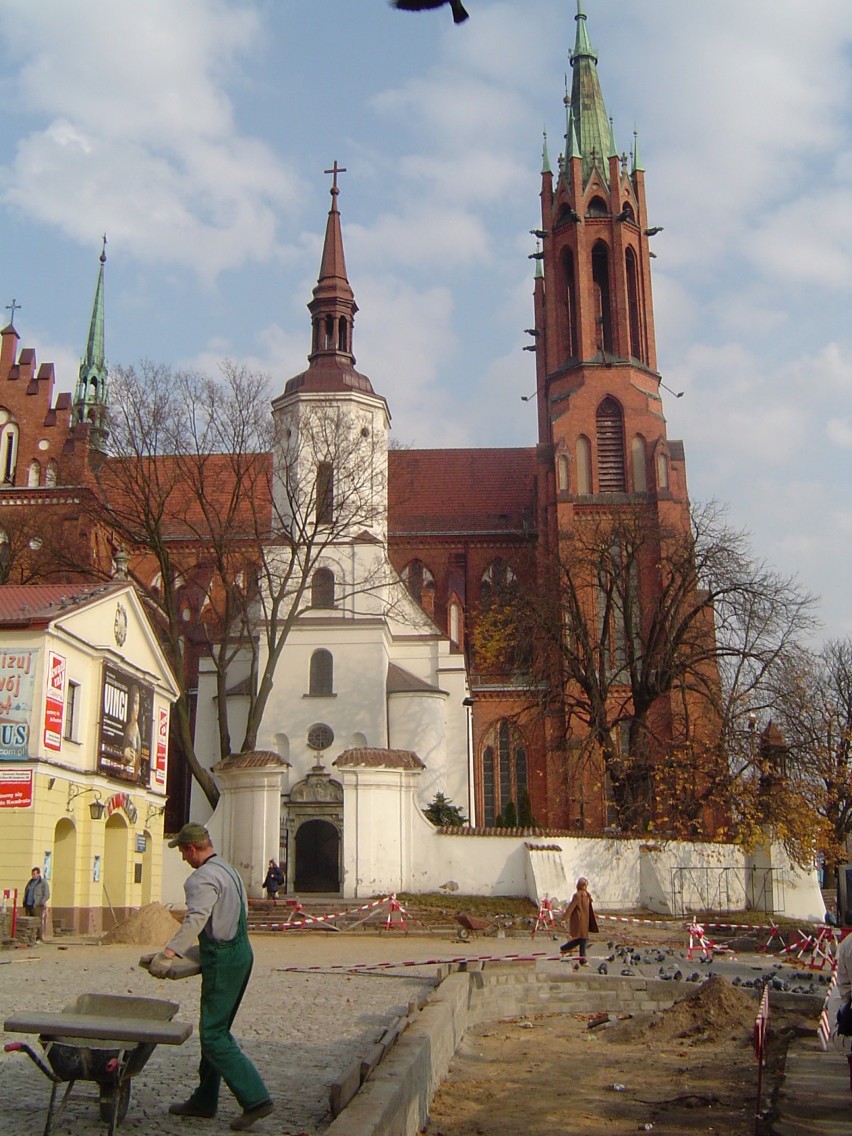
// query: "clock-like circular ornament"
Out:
[320,736]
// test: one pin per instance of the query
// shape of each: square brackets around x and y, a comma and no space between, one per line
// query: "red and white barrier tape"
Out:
[534,957]
[289,926]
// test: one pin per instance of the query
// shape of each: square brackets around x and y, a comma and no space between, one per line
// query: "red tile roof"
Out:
[461,491]
[379,759]
[236,489]
[27,605]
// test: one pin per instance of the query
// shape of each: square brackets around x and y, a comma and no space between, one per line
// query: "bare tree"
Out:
[228,514]
[654,642]
[814,714]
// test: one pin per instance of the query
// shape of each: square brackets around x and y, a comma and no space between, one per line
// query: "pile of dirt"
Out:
[715,1011]
[152,925]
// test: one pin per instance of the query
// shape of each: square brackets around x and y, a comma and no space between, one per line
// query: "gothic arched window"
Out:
[497,579]
[322,673]
[51,476]
[584,466]
[33,473]
[562,473]
[603,309]
[662,470]
[504,776]
[8,447]
[420,584]
[610,439]
[633,305]
[637,451]
[569,282]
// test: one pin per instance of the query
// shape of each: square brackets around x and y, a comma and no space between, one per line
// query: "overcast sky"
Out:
[195,134]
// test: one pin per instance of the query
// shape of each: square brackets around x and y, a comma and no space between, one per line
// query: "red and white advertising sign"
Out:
[162,746]
[16,788]
[54,701]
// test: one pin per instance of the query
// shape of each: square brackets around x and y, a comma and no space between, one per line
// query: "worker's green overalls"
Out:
[225,971]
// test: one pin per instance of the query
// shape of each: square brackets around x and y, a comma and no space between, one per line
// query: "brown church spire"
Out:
[333,308]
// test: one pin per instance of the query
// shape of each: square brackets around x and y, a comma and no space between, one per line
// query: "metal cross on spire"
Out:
[13,307]
[335,169]
[103,250]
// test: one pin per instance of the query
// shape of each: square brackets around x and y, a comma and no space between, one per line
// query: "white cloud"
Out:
[839,431]
[139,137]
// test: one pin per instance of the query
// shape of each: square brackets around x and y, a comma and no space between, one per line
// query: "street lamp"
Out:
[97,807]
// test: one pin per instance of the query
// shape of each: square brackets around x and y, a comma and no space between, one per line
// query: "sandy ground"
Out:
[668,1074]
[304,1028]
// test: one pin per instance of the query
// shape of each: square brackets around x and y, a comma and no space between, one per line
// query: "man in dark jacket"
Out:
[36,895]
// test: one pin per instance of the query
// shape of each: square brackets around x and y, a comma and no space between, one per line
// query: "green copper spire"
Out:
[90,397]
[637,161]
[594,136]
[545,157]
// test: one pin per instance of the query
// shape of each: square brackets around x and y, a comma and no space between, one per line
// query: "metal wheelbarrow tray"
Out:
[105,1038]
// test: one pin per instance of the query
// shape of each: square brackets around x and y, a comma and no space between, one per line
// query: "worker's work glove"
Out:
[160,965]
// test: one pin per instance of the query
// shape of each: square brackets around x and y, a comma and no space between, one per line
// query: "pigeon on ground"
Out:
[459,14]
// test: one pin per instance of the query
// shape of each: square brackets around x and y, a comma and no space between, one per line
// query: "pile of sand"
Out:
[716,1010]
[153,925]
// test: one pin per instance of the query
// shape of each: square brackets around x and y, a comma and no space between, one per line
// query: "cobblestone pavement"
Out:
[303,1030]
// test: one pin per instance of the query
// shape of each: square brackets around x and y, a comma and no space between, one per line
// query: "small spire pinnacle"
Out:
[545,158]
[637,163]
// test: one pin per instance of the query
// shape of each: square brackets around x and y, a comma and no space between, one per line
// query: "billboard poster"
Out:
[17,685]
[16,788]
[127,722]
[162,746]
[54,700]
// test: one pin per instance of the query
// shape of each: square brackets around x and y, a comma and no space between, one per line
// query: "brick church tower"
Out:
[615,502]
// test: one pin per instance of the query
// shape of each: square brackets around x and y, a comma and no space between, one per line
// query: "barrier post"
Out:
[11,894]
[761,1026]
[698,941]
[545,918]
[396,906]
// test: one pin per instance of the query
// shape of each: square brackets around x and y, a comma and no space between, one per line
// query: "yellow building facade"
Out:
[85,698]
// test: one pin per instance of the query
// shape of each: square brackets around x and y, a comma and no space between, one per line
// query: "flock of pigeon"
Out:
[669,970]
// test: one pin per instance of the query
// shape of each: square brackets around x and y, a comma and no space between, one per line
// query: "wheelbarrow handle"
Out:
[21,1047]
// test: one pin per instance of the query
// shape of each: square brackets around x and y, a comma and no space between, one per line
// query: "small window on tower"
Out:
[325,493]
[662,471]
[322,673]
[562,473]
[584,466]
[33,473]
[322,588]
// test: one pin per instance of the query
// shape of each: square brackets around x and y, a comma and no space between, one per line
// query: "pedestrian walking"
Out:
[581,920]
[274,880]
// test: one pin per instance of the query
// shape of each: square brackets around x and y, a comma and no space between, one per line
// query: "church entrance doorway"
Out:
[317,857]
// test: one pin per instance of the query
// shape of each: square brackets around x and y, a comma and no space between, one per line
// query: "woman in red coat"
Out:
[581,920]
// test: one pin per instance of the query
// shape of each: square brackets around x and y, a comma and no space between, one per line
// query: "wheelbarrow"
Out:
[470,926]
[105,1038]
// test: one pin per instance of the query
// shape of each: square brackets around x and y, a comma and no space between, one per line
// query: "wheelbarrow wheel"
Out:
[464,934]
[106,1101]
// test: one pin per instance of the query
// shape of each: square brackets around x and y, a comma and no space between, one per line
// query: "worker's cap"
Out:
[190,834]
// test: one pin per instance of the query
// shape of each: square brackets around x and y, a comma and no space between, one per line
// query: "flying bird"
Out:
[459,14]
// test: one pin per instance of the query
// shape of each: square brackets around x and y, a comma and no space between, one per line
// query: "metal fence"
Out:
[727,889]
